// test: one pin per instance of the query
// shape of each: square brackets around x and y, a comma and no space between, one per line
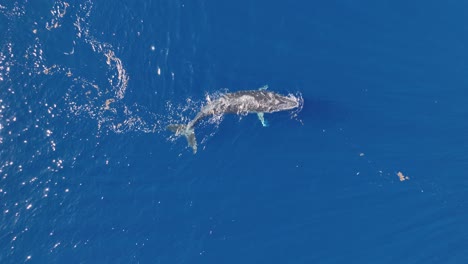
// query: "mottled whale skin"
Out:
[242,102]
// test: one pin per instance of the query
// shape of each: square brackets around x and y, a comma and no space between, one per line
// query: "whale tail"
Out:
[188,132]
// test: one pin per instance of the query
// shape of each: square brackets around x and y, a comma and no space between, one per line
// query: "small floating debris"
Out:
[402,176]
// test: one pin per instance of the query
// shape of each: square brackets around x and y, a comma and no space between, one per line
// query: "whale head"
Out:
[282,103]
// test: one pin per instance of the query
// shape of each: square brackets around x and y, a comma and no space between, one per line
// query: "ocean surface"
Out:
[373,168]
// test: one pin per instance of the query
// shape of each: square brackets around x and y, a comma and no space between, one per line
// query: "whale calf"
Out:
[242,102]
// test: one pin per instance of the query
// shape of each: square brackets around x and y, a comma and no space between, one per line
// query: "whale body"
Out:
[242,103]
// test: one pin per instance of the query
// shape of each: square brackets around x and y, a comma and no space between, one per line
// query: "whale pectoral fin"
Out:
[264,87]
[261,117]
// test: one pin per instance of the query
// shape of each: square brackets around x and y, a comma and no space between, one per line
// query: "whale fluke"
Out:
[189,134]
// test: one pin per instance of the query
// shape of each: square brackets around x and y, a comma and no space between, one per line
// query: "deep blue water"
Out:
[89,174]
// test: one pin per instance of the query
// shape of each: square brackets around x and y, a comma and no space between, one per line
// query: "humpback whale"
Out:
[242,102]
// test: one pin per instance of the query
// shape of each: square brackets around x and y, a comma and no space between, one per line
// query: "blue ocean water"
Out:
[371,170]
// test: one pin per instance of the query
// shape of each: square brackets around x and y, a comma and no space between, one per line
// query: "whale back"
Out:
[244,102]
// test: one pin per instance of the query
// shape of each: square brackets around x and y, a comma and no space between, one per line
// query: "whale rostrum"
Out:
[242,102]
